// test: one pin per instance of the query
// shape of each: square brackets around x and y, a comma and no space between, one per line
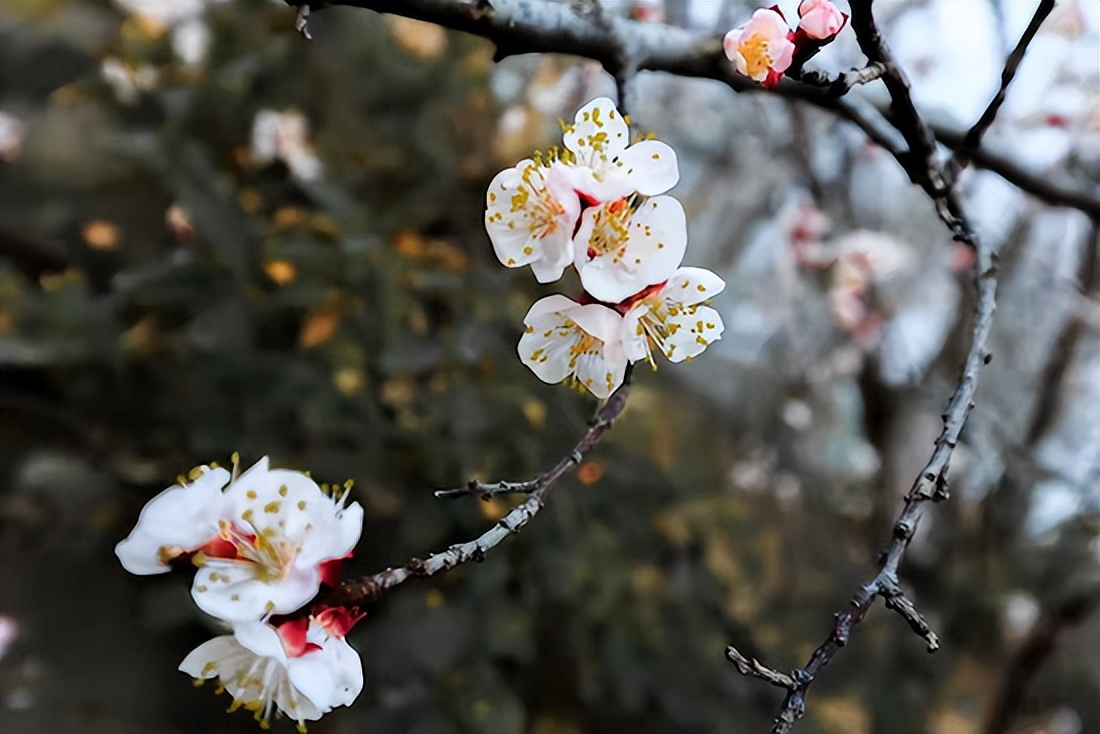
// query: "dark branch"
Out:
[752,666]
[922,163]
[624,47]
[841,84]
[363,591]
[930,485]
[1085,198]
[973,138]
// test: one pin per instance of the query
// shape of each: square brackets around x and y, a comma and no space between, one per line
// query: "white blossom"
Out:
[564,339]
[266,668]
[282,530]
[608,167]
[531,212]
[283,136]
[262,544]
[672,317]
[627,244]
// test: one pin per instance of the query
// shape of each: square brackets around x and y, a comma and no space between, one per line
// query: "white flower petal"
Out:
[564,339]
[545,345]
[649,167]
[599,132]
[335,540]
[698,329]
[602,371]
[197,664]
[232,591]
[635,341]
[329,677]
[180,518]
[260,639]
[689,286]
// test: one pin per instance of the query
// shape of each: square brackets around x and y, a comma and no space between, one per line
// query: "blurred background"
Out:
[217,236]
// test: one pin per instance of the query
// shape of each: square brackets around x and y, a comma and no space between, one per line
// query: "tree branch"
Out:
[368,589]
[625,46]
[973,138]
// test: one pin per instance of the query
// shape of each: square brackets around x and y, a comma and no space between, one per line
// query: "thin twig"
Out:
[525,26]
[841,84]
[931,484]
[363,591]
[753,667]
[973,138]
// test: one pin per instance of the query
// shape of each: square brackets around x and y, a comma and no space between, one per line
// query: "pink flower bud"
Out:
[820,20]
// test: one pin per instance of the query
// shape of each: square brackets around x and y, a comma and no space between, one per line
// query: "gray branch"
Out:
[973,139]
[625,47]
[368,589]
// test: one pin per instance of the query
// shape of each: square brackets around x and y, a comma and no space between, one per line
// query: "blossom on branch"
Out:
[299,669]
[623,246]
[263,545]
[531,212]
[565,339]
[762,48]
[607,167]
[277,546]
[672,317]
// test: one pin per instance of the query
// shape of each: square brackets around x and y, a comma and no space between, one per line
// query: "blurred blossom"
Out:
[191,40]
[126,81]
[11,136]
[649,11]
[951,52]
[283,136]
[954,58]
[190,33]
[863,259]
[168,12]
[1053,502]
[9,631]
[1020,612]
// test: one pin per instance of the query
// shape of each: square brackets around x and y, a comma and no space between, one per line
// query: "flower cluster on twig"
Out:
[599,204]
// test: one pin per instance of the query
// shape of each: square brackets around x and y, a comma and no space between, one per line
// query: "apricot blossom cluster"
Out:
[599,204]
[765,47]
[263,544]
